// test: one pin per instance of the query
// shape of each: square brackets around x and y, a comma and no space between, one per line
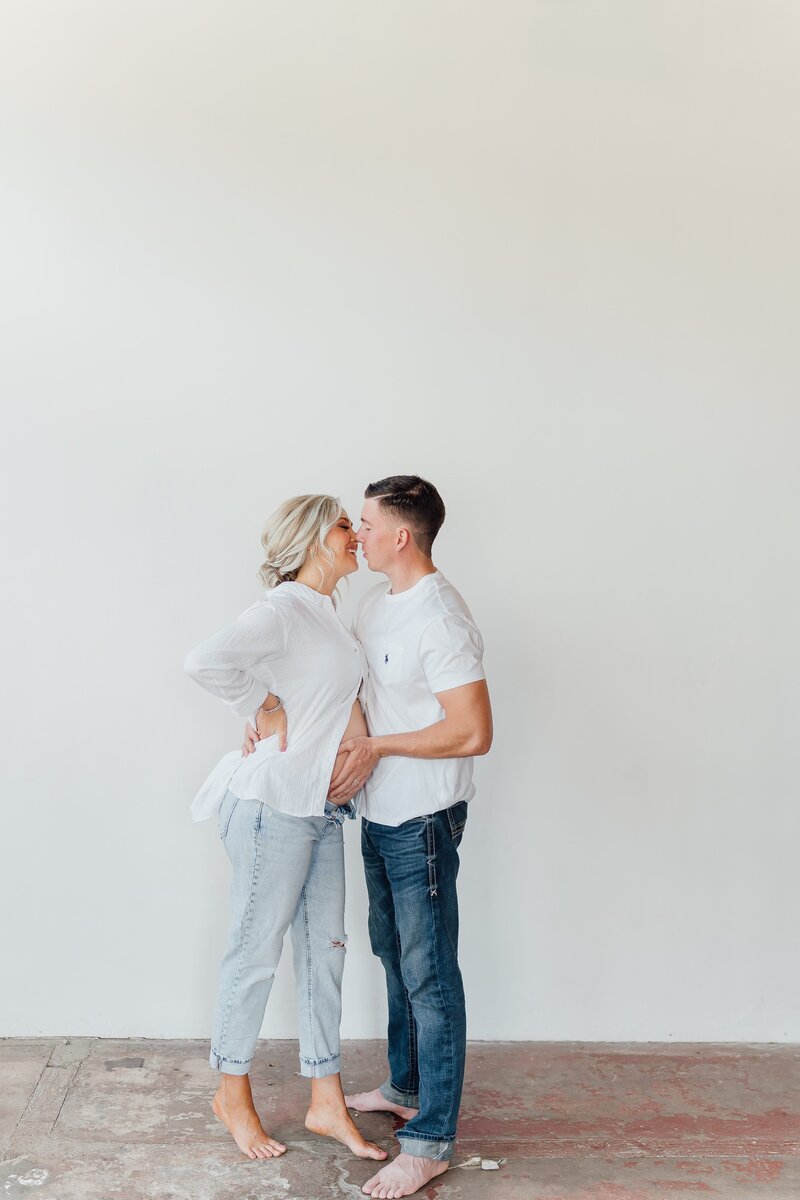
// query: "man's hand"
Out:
[266,725]
[362,758]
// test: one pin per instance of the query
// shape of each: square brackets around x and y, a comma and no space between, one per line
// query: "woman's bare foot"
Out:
[233,1105]
[337,1123]
[404,1176]
[328,1115]
[377,1102]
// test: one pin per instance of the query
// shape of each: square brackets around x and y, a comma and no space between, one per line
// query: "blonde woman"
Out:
[282,835]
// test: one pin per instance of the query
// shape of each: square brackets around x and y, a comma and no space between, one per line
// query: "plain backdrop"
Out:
[543,253]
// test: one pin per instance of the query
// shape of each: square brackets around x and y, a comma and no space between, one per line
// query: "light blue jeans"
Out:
[287,872]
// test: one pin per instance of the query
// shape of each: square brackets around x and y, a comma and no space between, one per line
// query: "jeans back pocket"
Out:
[457,819]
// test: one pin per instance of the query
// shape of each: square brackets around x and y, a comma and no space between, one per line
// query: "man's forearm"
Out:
[441,740]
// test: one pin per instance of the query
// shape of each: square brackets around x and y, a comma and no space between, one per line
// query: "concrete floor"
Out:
[92,1119]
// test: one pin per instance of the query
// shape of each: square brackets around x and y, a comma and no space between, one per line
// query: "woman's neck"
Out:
[310,576]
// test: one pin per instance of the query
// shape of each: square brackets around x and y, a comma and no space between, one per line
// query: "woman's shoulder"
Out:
[286,597]
[288,603]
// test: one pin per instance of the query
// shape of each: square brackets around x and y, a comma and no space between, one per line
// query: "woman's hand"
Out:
[267,724]
[361,758]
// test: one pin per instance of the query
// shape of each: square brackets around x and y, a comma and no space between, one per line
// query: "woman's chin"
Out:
[349,569]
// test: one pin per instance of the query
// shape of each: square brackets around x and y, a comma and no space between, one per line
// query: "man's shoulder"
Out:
[447,601]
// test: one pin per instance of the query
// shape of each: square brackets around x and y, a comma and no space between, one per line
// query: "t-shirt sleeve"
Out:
[451,653]
[223,664]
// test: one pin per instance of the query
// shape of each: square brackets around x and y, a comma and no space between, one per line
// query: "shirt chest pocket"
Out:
[390,662]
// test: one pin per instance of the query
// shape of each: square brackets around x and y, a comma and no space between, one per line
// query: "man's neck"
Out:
[402,577]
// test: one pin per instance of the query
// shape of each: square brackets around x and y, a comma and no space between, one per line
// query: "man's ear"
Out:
[403,537]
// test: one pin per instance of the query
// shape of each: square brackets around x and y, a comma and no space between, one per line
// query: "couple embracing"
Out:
[414,671]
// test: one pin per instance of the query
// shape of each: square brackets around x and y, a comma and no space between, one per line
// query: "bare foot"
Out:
[334,1121]
[376,1102]
[404,1176]
[241,1118]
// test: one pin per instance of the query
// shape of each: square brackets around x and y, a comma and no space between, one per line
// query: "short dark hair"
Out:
[409,498]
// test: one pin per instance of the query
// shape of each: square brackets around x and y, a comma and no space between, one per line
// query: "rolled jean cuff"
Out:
[319,1068]
[396,1096]
[420,1147]
[230,1066]
[338,812]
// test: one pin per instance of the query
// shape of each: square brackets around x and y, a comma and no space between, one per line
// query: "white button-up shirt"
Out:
[293,644]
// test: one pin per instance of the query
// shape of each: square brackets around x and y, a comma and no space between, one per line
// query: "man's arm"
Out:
[464,731]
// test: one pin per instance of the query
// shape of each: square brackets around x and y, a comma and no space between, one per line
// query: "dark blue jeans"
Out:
[411,874]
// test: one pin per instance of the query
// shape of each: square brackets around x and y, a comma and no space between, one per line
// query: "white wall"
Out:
[543,253]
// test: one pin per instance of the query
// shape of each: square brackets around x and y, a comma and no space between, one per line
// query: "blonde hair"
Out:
[295,530]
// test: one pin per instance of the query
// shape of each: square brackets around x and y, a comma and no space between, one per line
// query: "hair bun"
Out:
[271,575]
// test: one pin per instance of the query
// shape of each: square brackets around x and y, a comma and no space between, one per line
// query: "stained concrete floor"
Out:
[93,1119]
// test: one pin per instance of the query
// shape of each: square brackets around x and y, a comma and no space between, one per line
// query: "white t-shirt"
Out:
[294,645]
[417,643]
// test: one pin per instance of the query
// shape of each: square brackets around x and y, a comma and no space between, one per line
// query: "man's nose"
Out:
[360,536]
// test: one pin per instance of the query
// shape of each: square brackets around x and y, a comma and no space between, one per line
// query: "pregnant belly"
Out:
[356,727]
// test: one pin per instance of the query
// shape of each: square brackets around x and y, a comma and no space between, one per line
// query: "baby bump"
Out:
[356,727]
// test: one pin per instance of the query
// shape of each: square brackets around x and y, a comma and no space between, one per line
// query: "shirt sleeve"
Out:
[224,663]
[451,653]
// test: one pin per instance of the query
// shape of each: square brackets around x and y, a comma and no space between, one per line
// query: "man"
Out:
[428,713]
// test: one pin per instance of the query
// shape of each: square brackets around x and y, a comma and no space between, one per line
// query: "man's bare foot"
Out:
[334,1121]
[377,1102]
[404,1176]
[237,1112]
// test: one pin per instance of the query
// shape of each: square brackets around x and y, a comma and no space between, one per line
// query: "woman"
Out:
[282,835]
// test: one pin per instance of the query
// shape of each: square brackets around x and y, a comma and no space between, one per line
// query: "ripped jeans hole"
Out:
[338,943]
